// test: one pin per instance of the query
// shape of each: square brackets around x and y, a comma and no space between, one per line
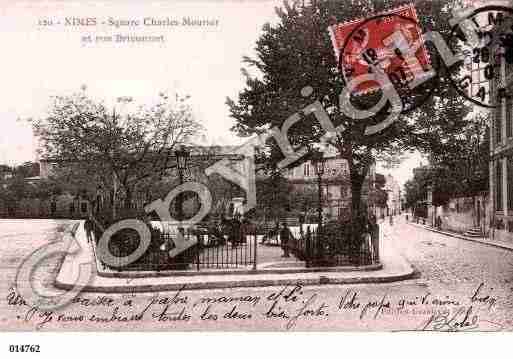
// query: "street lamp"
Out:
[318,162]
[182,155]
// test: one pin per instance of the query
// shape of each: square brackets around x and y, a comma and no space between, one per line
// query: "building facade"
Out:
[200,157]
[336,191]
[501,146]
[335,186]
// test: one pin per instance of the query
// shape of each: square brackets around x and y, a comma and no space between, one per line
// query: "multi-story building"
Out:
[501,144]
[335,183]
[336,191]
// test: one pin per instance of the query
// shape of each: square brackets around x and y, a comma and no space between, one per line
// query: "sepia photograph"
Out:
[255,166]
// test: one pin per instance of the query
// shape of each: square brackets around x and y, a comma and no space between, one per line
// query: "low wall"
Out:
[464,213]
[62,206]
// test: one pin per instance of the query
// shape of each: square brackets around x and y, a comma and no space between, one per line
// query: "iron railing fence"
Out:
[319,250]
[204,250]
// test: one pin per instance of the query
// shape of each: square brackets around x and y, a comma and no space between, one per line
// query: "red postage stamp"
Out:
[385,41]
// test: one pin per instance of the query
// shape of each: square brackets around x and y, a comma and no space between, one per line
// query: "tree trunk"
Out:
[356,192]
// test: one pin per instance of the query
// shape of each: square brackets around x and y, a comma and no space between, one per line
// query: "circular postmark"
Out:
[391,45]
[478,38]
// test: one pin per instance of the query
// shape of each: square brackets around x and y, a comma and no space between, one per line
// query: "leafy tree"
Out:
[27,169]
[273,199]
[458,165]
[119,151]
[416,188]
[17,189]
[297,52]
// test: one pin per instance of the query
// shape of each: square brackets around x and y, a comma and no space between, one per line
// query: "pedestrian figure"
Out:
[88,226]
[53,208]
[285,238]
[439,222]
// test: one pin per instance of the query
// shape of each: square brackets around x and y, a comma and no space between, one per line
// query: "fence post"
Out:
[255,245]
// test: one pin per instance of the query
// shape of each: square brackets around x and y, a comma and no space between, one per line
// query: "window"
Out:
[307,170]
[481,73]
[498,184]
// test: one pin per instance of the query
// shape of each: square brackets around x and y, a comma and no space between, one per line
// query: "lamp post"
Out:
[182,155]
[318,162]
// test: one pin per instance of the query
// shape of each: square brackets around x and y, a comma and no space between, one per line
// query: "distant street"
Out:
[450,272]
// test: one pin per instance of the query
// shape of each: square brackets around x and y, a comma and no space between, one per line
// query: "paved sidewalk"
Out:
[394,268]
[483,240]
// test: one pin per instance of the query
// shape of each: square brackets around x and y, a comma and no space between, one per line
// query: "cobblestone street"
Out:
[454,267]
[471,281]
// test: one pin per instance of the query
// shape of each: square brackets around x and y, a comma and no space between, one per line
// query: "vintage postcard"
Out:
[210,165]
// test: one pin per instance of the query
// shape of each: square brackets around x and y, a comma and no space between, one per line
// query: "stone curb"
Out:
[260,282]
[459,236]
[149,274]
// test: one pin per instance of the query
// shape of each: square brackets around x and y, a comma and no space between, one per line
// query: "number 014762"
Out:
[24,348]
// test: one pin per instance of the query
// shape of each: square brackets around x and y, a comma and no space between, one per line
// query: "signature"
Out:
[462,320]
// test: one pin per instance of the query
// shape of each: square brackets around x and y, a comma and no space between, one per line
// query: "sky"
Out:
[203,62]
